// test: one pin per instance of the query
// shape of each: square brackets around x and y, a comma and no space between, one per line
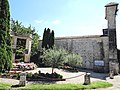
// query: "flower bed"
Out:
[46,77]
[33,77]
[26,66]
[14,75]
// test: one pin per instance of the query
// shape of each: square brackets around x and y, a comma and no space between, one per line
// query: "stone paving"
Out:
[69,75]
[115,82]
[94,77]
[80,79]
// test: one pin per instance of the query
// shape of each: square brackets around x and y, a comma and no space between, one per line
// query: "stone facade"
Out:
[90,48]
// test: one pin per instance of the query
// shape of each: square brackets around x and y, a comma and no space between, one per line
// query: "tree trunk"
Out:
[52,70]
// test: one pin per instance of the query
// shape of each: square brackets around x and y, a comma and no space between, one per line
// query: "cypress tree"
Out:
[51,41]
[5,39]
[53,38]
[44,39]
[47,38]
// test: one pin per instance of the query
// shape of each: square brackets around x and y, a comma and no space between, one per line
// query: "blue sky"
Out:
[65,17]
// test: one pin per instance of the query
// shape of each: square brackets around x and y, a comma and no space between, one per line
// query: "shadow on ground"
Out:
[96,75]
[42,82]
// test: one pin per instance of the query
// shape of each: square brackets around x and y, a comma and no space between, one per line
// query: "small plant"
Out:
[15,76]
[29,75]
[56,75]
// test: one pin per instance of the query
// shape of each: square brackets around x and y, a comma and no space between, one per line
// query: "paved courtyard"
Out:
[72,77]
[80,78]
[76,77]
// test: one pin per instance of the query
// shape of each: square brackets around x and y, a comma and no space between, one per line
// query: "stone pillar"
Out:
[13,57]
[111,12]
[114,67]
[14,42]
[28,50]
[111,74]
[22,81]
[87,79]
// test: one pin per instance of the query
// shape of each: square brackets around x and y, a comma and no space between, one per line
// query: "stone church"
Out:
[99,52]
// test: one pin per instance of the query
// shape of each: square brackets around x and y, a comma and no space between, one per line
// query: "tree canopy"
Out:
[53,57]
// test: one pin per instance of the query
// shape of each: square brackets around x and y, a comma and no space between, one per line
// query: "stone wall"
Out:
[89,47]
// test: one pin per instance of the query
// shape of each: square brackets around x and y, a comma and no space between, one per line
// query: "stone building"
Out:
[98,51]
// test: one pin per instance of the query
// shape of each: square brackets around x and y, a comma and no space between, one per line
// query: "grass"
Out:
[4,86]
[94,85]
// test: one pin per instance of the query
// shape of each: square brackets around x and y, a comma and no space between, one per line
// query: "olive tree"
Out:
[54,57]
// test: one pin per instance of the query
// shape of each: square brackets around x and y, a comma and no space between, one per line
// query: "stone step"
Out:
[15,69]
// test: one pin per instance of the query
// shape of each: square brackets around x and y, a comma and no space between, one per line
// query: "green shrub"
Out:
[73,60]
[47,75]
[56,75]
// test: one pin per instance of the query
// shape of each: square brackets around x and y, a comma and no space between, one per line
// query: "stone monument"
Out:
[28,39]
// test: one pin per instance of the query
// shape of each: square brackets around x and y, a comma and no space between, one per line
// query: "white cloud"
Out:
[56,22]
[39,21]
